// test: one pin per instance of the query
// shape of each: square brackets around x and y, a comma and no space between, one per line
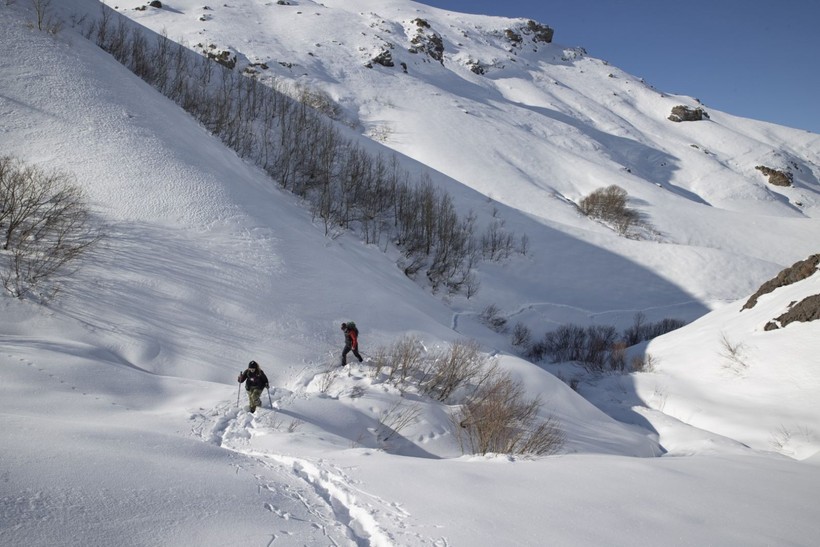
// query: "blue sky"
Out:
[753,58]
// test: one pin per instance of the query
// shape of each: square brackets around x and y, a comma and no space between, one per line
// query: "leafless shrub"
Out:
[491,317]
[406,359]
[45,20]
[395,419]
[617,356]
[471,285]
[610,205]
[659,398]
[566,343]
[327,378]
[600,339]
[496,243]
[45,225]
[599,348]
[784,437]
[379,360]
[521,336]
[499,418]
[460,364]
[644,362]
[524,244]
[734,353]
[641,330]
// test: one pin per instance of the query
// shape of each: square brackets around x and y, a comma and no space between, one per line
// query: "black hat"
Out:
[253,364]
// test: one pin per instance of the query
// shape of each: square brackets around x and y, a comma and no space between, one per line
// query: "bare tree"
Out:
[41,10]
[46,225]
[492,317]
[521,336]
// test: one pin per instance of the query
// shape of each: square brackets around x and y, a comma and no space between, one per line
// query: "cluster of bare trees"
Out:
[287,133]
[45,225]
[597,347]
[491,411]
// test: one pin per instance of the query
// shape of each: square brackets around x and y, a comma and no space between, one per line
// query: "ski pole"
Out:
[238,391]
[269,399]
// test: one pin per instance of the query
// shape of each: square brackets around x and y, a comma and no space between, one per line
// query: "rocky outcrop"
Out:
[475,66]
[384,58]
[532,29]
[539,32]
[796,272]
[776,177]
[222,56]
[427,41]
[806,310]
[683,113]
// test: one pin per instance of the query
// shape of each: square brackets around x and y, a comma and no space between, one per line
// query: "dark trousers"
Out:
[347,350]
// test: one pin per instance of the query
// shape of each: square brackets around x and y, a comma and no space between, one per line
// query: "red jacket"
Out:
[352,338]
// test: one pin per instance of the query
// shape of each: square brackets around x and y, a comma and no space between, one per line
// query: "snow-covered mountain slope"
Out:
[118,403]
[535,126]
[731,352]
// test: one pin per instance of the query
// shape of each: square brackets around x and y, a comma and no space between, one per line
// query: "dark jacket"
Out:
[253,378]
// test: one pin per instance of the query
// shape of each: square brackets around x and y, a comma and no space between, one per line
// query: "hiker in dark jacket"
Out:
[255,381]
[351,341]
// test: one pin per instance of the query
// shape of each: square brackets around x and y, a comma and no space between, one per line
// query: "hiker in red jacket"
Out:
[351,341]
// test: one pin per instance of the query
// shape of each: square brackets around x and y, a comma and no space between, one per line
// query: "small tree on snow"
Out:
[610,205]
[45,225]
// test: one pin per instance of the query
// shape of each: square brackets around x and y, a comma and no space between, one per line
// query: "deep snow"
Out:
[118,405]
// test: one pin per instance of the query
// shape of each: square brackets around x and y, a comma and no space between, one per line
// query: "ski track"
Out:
[61,382]
[304,490]
[546,306]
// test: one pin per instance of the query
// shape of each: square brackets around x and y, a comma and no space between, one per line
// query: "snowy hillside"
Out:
[118,399]
[543,124]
